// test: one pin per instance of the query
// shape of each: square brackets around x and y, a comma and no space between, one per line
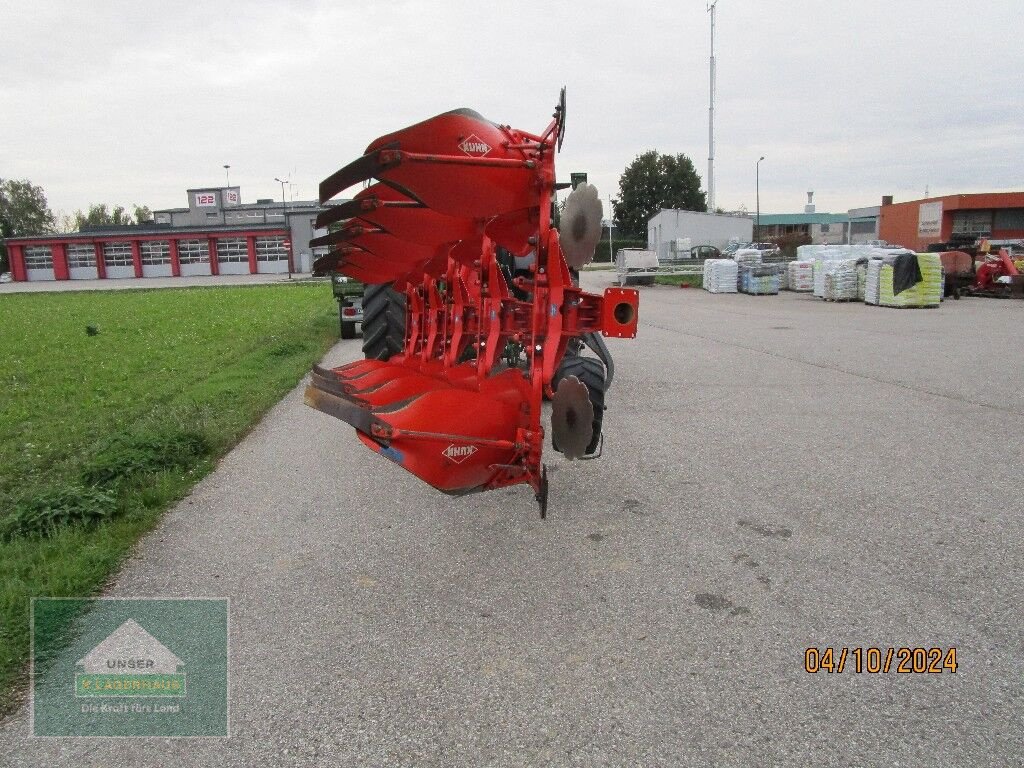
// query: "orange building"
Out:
[919,223]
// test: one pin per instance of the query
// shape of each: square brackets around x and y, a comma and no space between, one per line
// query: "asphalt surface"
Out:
[778,473]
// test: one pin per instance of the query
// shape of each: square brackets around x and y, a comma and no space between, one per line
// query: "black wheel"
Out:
[383,322]
[348,329]
[590,372]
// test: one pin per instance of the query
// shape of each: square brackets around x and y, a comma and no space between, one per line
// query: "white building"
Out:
[715,229]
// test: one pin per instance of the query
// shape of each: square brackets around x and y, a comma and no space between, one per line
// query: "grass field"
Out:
[694,281]
[100,432]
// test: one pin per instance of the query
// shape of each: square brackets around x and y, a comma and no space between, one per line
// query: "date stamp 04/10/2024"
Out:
[874,660]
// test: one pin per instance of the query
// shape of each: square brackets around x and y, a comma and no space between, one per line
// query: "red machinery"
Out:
[996,275]
[958,272]
[450,408]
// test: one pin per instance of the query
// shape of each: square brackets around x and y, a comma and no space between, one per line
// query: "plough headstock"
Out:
[458,203]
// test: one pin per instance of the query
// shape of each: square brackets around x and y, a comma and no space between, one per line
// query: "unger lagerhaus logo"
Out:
[123,667]
[130,662]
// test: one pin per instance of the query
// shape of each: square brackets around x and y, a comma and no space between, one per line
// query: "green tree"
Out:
[652,182]
[23,211]
[103,215]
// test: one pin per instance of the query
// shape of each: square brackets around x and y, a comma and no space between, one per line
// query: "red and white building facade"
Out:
[215,235]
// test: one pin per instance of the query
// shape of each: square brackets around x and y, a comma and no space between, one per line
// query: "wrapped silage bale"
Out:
[927,293]
[801,276]
[720,276]
[839,280]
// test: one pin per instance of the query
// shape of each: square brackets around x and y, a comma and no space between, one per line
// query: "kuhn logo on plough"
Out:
[458,453]
[474,147]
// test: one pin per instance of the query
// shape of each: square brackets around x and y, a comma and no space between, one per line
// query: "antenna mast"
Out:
[711,115]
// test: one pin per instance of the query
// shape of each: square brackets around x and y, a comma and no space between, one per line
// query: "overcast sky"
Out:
[133,102]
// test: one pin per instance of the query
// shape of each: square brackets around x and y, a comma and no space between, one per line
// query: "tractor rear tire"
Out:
[384,312]
[590,372]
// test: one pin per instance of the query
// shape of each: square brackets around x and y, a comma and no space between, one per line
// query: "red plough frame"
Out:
[451,190]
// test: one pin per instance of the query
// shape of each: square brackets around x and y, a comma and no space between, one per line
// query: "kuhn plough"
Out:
[459,224]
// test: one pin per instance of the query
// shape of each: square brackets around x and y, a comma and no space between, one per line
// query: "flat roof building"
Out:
[669,226]
[217,234]
[916,224]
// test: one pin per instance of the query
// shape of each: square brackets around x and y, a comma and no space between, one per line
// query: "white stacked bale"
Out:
[820,267]
[706,274]
[809,252]
[839,280]
[720,276]
[871,281]
[746,256]
[801,276]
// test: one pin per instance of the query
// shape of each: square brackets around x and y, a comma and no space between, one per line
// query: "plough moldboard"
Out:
[458,219]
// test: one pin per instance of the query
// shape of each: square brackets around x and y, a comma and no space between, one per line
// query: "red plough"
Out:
[459,223]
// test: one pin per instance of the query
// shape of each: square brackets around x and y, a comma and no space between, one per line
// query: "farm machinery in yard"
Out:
[472,313]
[972,267]
[997,275]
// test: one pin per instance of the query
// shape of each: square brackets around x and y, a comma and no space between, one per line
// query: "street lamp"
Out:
[611,222]
[288,236]
[757,192]
[227,174]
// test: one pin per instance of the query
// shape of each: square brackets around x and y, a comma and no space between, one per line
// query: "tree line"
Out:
[24,211]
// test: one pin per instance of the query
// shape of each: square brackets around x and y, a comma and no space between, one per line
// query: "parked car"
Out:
[731,248]
[767,249]
[704,252]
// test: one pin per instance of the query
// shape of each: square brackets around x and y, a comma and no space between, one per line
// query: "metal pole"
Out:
[611,221]
[227,174]
[757,192]
[711,117]
[284,213]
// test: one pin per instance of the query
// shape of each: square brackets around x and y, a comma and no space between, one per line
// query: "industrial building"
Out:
[863,224]
[667,228]
[216,234]
[916,224]
[819,228]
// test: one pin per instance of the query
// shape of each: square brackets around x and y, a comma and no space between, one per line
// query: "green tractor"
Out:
[349,295]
